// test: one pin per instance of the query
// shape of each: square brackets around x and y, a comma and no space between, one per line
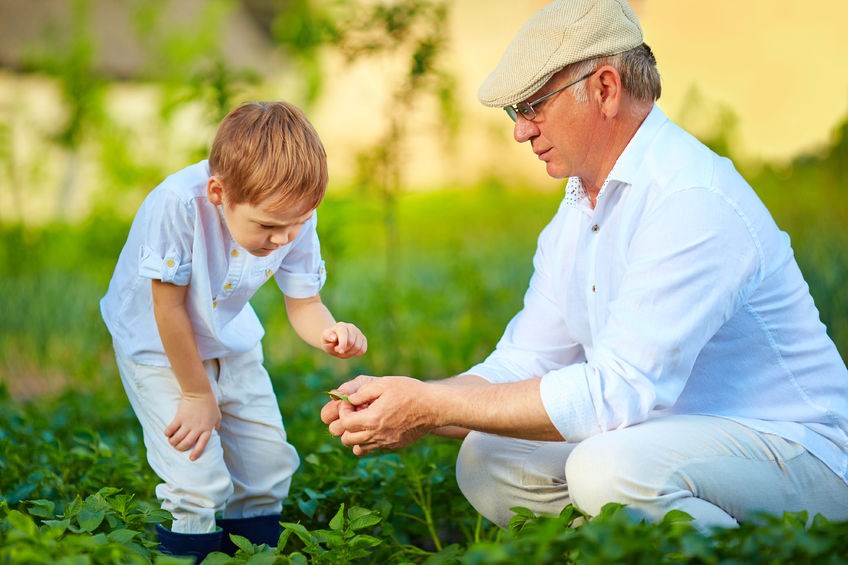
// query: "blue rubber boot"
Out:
[188,545]
[258,529]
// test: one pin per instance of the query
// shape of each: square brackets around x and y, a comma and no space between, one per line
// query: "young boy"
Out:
[187,341]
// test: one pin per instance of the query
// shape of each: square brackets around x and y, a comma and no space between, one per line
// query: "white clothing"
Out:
[676,294]
[178,236]
[716,470]
[245,469]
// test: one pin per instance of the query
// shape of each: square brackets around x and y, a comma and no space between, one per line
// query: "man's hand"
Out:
[344,340]
[382,413]
[330,411]
[197,415]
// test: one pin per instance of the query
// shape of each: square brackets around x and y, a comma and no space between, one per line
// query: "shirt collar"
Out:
[628,163]
[632,157]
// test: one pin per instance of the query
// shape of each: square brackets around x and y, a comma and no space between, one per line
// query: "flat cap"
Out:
[561,33]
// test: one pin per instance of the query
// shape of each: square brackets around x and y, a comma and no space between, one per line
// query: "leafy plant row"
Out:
[74,490]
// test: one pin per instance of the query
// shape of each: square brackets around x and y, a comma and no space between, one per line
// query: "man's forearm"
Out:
[511,409]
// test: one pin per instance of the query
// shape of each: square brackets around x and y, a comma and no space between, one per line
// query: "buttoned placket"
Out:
[595,221]
[237,257]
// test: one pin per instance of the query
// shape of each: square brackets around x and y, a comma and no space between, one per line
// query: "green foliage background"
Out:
[432,278]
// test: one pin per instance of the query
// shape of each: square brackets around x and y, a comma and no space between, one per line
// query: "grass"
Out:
[73,478]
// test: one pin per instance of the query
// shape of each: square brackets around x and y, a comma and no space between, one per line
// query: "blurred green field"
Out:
[432,304]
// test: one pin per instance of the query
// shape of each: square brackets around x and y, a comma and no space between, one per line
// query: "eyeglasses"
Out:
[527,109]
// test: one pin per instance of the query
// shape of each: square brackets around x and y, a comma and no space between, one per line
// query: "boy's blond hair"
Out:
[269,153]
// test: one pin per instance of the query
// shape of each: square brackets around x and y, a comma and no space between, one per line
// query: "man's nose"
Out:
[524,129]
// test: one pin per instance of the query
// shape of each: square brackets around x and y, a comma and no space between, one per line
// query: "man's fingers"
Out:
[336,428]
[330,412]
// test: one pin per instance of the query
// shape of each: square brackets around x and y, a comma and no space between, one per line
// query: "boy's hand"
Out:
[344,340]
[197,415]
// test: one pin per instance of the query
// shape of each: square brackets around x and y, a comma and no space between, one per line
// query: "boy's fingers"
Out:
[330,336]
[200,445]
[342,341]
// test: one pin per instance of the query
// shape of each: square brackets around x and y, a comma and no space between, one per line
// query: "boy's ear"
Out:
[215,191]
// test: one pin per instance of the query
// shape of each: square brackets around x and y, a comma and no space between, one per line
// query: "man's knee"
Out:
[475,471]
[498,473]
[601,470]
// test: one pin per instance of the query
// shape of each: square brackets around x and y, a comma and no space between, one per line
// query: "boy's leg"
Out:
[191,490]
[496,473]
[715,469]
[260,459]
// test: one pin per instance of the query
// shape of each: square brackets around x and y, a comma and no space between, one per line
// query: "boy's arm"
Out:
[198,413]
[315,325]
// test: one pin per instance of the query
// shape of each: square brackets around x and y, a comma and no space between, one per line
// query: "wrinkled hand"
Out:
[344,340]
[197,415]
[383,413]
[330,411]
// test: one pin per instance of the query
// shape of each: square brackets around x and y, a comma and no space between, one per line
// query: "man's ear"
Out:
[609,90]
[215,191]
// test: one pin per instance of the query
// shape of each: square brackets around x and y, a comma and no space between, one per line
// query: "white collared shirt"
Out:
[676,294]
[178,236]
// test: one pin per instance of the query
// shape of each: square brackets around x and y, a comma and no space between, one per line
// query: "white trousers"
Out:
[246,468]
[712,468]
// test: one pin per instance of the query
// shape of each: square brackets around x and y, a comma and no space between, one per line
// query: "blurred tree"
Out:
[414,34]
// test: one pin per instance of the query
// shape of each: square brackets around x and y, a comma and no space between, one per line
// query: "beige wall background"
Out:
[778,65]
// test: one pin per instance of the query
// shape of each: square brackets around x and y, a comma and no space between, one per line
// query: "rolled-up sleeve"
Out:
[302,273]
[166,252]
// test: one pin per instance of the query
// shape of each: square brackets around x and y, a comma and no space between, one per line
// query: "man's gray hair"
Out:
[637,67]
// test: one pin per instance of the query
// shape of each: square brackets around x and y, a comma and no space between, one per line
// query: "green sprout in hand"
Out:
[337,396]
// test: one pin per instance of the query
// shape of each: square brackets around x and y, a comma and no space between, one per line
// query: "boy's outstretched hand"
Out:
[344,340]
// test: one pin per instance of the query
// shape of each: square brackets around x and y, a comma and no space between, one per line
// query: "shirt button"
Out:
[214,304]
[269,272]
[593,288]
[228,286]
[234,253]
[170,263]
[595,228]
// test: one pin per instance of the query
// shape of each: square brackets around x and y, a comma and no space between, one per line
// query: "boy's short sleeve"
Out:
[166,244]
[302,273]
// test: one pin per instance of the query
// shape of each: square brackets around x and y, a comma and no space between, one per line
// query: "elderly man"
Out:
[668,354]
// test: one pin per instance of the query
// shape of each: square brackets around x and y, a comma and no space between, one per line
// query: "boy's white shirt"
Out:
[178,236]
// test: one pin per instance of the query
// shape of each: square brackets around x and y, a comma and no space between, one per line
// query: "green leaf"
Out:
[267,557]
[364,521]
[89,519]
[338,396]
[243,543]
[22,522]
[337,522]
[42,508]
[121,536]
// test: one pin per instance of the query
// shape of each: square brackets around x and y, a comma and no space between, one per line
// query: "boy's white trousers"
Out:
[246,468]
